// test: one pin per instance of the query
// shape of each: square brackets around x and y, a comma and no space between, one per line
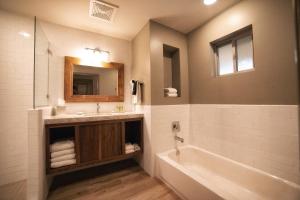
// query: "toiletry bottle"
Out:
[53,111]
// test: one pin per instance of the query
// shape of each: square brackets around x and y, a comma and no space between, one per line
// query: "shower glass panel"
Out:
[41,67]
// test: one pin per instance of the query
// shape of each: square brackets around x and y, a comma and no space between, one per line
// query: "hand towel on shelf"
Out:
[171,95]
[170,90]
[61,145]
[63,158]
[62,153]
[63,163]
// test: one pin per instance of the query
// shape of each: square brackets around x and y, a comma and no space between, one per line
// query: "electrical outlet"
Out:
[175,126]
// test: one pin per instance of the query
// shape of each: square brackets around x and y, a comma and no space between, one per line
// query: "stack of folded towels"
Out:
[130,148]
[170,92]
[62,153]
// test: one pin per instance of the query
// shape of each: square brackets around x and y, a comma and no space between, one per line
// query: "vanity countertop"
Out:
[89,117]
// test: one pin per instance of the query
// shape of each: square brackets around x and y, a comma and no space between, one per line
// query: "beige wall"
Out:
[160,35]
[16,94]
[148,63]
[65,41]
[141,61]
[274,80]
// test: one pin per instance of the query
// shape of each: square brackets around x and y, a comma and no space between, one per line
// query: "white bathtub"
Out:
[199,174]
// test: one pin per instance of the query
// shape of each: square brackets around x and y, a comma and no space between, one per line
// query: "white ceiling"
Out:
[132,15]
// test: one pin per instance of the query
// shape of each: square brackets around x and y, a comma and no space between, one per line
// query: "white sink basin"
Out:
[98,114]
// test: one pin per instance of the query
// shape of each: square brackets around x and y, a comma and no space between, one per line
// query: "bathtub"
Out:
[197,174]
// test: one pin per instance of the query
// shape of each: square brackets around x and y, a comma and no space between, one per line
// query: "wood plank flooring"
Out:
[13,191]
[128,183]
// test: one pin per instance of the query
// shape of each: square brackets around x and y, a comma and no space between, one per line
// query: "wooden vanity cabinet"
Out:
[96,143]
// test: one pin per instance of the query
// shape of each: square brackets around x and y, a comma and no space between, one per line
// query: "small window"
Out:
[234,52]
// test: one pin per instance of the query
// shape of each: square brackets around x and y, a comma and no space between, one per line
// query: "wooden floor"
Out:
[13,191]
[128,183]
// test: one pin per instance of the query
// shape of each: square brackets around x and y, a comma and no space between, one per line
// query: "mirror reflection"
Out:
[89,80]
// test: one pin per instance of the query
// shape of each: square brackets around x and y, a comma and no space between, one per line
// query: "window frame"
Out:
[232,39]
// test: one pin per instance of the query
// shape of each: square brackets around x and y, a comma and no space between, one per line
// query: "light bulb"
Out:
[24,34]
[209,2]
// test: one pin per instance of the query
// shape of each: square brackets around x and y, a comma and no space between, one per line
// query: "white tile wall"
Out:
[146,161]
[161,120]
[158,135]
[262,136]
[36,180]
[16,89]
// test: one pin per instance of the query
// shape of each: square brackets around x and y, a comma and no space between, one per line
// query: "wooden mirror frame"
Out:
[68,83]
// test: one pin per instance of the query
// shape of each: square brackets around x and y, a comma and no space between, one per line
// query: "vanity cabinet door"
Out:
[111,144]
[89,143]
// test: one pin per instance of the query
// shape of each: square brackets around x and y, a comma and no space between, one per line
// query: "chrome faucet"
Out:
[98,107]
[179,139]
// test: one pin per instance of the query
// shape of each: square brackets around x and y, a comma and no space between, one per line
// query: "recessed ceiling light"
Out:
[209,2]
[24,34]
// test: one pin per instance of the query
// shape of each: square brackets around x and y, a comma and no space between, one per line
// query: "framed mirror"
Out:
[85,83]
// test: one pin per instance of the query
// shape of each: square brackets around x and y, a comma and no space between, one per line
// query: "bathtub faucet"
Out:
[179,139]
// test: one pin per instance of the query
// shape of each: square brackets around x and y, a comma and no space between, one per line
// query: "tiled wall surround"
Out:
[16,88]
[263,136]
[158,135]
[161,119]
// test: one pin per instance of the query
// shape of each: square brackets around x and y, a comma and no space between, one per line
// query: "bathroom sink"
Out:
[99,114]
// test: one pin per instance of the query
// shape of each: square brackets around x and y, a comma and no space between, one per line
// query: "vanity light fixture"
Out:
[209,2]
[94,57]
[101,54]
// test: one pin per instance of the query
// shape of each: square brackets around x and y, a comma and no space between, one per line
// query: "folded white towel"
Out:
[61,145]
[129,151]
[62,153]
[63,158]
[63,163]
[171,95]
[136,147]
[170,90]
[129,146]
